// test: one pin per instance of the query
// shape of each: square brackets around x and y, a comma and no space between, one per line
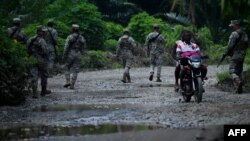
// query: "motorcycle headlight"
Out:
[196,64]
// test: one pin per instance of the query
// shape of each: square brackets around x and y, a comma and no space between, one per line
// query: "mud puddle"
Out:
[40,131]
[74,107]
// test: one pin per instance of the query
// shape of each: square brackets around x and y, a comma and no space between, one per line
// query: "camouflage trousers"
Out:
[235,69]
[156,62]
[72,66]
[51,61]
[127,63]
[37,71]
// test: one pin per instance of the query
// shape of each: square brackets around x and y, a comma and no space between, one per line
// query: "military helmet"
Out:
[234,22]
[125,31]
[156,26]
[16,20]
[75,26]
[50,21]
[41,28]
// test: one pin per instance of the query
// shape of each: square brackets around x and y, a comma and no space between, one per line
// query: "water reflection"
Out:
[27,132]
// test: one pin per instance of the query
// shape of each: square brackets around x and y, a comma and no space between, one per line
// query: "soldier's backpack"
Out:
[30,51]
[125,44]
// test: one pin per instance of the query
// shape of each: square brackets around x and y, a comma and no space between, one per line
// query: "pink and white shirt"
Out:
[185,49]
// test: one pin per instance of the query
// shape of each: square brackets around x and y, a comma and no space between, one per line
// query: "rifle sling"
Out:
[153,39]
[53,40]
[72,43]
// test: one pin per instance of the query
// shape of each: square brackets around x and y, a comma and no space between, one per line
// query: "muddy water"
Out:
[39,131]
[87,114]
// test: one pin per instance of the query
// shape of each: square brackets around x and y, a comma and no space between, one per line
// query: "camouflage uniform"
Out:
[38,49]
[73,50]
[16,33]
[125,48]
[237,56]
[156,52]
[51,39]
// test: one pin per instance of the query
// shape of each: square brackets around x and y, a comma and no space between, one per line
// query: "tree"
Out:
[83,13]
[118,11]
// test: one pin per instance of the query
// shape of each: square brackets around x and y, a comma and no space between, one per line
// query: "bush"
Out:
[95,59]
[13,63]
[173,34]
[82,13]
[204,38]
[222,76]
[215,52]
[140,26]
[110,45]
[247,60]
[114,31]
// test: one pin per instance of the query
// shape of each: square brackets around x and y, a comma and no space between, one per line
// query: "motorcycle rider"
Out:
[185,48]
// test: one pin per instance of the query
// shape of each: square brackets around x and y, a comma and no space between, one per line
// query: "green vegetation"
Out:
[222,76]
[94,59]
[141,24]
[13,67]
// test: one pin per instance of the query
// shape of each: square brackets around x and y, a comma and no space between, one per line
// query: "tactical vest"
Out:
[36,48]
[240,49]
[76,44]
[243,42]
[125,44]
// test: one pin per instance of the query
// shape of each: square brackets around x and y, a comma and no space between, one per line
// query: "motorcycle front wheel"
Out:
[198,89]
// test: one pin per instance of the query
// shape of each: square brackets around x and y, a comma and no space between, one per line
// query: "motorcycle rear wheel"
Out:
[186,97]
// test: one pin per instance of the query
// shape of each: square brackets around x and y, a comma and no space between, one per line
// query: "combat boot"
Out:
[124,78]
[72,85]
[236,84]
[151,76]
[158,79]
[67,83]
[45,91]
[239,88]
[128,78]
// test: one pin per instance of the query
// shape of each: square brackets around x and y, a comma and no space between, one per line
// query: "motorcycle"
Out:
[191,79]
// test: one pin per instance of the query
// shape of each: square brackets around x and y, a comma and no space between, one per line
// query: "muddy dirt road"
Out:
[102,104]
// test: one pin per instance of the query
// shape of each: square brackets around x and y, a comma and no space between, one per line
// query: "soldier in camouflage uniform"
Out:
[125,49]
[16,33]
[237,48]
[155,43]
[38,49]
[51,39]
[73,51]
